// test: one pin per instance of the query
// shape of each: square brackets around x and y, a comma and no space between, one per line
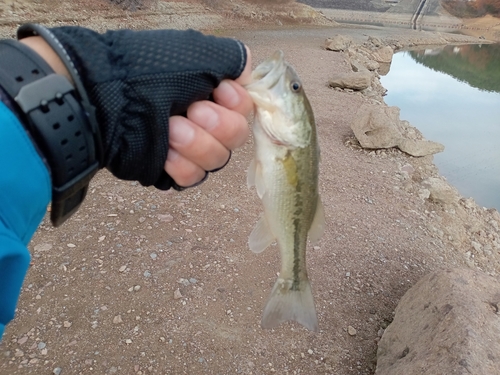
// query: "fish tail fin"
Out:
[287,303]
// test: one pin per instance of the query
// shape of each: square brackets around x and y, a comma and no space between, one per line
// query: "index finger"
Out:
[246,76]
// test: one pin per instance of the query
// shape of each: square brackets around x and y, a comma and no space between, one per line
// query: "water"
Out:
[452,95]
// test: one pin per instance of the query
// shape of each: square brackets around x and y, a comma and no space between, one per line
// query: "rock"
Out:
[375,41]
[379,127]
[383,55]
[43,247]
[351,331]
[117,319]
[338,43]
[354,80]
[165,218]
[358,66]
[420,147]
[448,323]
[177,294]
[441,191]
[57,371]
[375,127]
[22,340]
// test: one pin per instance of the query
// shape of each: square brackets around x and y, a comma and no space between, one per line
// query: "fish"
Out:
[285,173]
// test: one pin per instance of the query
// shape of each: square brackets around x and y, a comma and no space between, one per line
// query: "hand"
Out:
[142,83]
[203,141]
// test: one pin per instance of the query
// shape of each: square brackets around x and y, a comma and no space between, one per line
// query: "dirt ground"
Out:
[147,282]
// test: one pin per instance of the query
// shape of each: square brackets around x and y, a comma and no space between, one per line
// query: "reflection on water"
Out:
[446,109]
[475,64]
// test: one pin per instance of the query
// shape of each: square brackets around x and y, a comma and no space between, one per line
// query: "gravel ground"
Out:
[141,281]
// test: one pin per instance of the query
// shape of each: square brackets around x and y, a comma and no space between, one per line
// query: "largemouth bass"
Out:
[285,174]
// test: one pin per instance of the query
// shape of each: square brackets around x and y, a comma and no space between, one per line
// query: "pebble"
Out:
[71,245]
[128,341]
[310,351]
[57,371]
[192,280]
[177,294]
[165,218]
[122,268]
[67,324]
[43,247]
[147,274]
[41,345]
[117,319]
[137,288]
[153,256]
[22,340]
[351,331]
[184,282]
[142,219]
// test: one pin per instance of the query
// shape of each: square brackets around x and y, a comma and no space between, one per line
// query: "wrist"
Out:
[42,48]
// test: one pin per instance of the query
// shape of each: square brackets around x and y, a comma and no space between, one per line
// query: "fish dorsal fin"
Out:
[261,236]
[318,224]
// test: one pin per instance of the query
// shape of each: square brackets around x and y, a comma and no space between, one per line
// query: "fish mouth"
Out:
[269,72]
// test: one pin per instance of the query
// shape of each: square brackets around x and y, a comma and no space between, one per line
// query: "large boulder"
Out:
[448,323]
[354,80]
[380,127]
[338,43]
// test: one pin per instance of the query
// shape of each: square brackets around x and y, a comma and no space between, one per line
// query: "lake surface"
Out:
[452,95]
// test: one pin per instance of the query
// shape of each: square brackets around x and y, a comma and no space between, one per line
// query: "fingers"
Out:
[225,125]
[202,141]
[232,95]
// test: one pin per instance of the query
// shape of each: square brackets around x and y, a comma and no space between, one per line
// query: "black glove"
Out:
[137,80]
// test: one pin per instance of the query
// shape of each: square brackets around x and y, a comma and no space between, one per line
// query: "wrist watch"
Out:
[58,117]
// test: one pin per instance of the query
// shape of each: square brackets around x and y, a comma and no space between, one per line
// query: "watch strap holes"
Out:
[56,126]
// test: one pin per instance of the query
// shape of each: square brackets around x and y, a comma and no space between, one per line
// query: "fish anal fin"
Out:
[318,225]
[261,236]
[286,304]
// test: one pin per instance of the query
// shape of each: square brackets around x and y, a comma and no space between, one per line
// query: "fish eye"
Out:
[295,86]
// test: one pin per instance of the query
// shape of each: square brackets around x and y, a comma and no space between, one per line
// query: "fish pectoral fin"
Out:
[261,236]
[288,304]
[318,225]
[251,174]
[254,178]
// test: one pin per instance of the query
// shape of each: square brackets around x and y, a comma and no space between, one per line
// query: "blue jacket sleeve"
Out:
[25,191]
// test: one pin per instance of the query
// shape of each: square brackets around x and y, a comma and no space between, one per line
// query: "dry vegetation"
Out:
[469,9]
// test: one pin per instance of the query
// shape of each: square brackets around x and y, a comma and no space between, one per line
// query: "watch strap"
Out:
[55,120]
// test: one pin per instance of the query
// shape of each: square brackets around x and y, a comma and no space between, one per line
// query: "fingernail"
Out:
[180,133]
[207,116]
[228,94]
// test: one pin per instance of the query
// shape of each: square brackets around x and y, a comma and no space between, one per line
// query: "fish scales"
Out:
[285,173]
